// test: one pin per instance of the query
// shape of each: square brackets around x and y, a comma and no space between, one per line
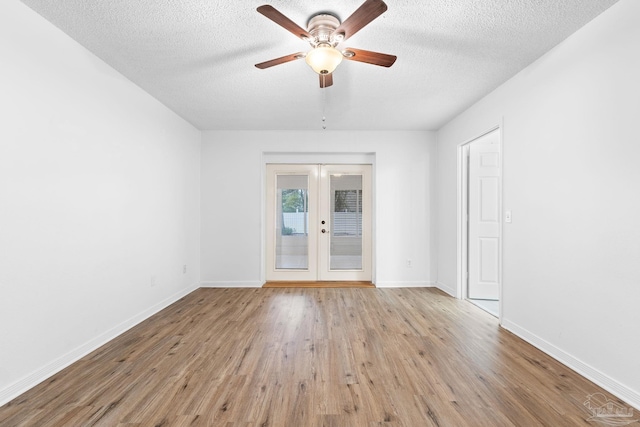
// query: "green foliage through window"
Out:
[348,201]
[293,200]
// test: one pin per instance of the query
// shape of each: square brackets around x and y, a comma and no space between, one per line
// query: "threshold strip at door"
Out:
[294,284]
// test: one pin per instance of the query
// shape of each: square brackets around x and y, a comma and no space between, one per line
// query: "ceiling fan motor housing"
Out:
[321,27]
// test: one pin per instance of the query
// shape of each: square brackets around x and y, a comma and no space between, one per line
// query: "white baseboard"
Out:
[451,290]
[392,284]
[630,396]
[231,284]
[17,388]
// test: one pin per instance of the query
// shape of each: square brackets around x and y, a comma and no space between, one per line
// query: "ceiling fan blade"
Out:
[286,23]
[369,57]
[367,12]
[326,80]
[280,60]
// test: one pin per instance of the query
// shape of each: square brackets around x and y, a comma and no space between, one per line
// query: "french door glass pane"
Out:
[346,225]
[292,222]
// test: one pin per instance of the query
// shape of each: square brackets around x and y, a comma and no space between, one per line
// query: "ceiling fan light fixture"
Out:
[324,59]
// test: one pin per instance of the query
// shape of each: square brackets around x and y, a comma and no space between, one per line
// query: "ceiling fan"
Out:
[325,32]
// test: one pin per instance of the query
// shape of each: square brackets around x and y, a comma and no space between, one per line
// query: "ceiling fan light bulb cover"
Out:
[324,59]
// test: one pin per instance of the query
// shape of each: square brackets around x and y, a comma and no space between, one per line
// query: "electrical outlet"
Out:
[409,263]
[153,281]
[184,269]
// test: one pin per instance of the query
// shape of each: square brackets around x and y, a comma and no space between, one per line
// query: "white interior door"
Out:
[318,223]
[484,217]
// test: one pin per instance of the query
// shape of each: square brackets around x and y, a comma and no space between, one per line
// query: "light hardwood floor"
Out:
[311,357]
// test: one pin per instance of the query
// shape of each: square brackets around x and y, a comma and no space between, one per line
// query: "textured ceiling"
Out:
[197,57]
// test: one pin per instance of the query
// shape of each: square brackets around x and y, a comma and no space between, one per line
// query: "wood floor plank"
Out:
[274,357]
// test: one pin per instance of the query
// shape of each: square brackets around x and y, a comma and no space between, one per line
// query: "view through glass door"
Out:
[318,223]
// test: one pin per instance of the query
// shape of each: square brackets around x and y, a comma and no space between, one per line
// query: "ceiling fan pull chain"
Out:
[324,103]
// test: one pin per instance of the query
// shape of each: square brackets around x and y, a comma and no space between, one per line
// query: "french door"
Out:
[318,222]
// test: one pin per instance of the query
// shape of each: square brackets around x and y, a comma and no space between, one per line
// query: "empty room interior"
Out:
[336,213]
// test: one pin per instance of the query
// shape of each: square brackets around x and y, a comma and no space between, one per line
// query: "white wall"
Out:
[232,191]
[99,191]
[571,178]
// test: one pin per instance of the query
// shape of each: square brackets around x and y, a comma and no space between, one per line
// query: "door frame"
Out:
[334,158]
[462,232]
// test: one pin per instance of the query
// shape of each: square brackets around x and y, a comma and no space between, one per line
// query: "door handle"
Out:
[325,231]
